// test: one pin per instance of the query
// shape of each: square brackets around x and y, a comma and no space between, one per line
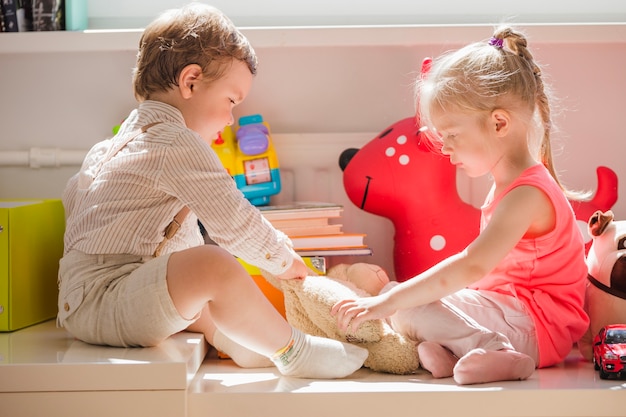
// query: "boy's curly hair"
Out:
[194,34]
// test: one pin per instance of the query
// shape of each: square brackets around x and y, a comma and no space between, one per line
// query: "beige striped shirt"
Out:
[122,205]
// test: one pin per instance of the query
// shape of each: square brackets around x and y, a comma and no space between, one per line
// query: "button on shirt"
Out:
[124,204]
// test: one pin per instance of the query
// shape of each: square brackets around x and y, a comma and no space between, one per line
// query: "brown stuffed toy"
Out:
[308,303]
[606,262]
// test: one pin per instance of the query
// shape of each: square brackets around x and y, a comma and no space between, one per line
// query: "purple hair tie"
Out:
[498,43]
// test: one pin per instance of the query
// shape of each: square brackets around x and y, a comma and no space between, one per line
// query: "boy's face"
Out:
[210,107]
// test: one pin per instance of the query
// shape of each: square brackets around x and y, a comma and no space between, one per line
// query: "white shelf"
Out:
[62,41]
[572,388]
[319,36]
[45,371]
[45,358]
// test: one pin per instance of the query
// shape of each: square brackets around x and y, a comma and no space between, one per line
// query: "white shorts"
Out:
[117,300]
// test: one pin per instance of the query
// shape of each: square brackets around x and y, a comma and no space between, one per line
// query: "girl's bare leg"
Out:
[210,277]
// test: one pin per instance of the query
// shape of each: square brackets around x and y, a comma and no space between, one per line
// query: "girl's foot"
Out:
[480,366]
[436,359]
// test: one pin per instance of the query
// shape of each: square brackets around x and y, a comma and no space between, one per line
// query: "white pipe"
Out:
[42,158]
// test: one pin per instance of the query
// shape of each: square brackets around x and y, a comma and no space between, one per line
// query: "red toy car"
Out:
[609,351]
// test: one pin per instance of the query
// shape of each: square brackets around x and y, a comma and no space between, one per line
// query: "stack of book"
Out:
[41,15]
[315,229]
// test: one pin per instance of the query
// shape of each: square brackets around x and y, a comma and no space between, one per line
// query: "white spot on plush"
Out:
[437,242]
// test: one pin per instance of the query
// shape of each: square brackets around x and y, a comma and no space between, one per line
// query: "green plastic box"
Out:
[31,244]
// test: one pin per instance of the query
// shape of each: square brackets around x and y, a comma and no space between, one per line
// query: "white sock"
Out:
[309,356]
[241,355]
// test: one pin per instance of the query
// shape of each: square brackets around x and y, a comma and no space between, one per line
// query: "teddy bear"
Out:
[605,299]
[308,303]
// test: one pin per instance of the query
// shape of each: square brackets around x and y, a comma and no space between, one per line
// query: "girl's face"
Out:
[210,107]
[467,141]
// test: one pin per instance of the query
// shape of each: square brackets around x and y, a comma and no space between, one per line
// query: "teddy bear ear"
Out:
[599,221]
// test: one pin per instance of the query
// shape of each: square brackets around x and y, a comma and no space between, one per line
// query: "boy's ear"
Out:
[188,79]
[500,122]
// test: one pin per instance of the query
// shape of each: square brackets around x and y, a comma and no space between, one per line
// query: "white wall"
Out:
[124,13]
[71,100]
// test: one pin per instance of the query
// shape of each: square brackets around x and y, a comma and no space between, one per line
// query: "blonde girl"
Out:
[513,299]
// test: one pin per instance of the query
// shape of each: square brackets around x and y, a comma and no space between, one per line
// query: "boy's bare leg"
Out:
[241,355]
[210,277]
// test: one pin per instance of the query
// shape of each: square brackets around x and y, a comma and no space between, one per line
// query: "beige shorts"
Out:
[117,300]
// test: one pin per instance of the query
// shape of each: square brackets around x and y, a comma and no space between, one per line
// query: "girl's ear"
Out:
[500,122]
[188,79]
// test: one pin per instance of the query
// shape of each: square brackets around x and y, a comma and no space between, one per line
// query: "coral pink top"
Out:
[547,273]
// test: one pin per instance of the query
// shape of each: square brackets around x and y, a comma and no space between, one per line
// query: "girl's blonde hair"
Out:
[194,34]
[484,76]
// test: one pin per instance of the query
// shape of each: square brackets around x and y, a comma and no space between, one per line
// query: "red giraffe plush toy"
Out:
[397,175]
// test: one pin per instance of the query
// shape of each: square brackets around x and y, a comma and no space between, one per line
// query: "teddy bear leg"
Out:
[368,277]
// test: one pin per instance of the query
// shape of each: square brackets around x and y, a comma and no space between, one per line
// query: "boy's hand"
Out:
[298,269]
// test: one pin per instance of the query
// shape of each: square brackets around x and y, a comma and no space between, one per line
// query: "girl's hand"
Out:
[352,313]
